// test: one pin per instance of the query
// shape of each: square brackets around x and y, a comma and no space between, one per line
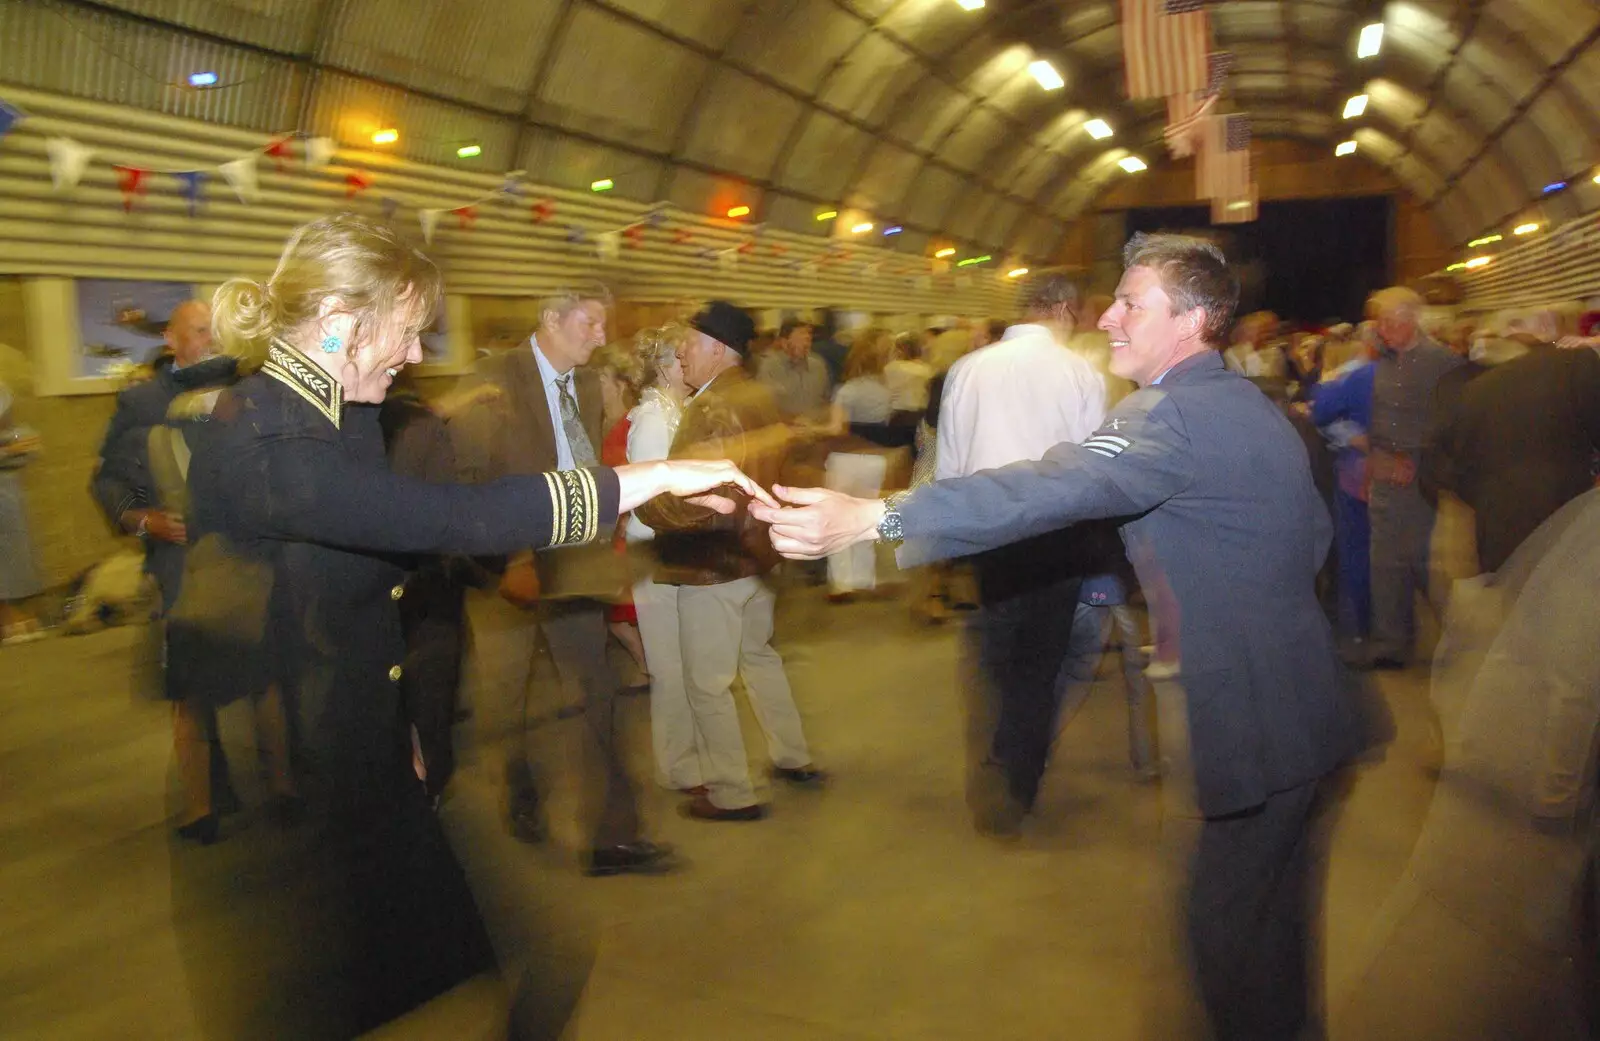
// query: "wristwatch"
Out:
[891,529]
[142,529]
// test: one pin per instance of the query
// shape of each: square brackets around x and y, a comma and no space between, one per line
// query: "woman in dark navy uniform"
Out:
[361,913]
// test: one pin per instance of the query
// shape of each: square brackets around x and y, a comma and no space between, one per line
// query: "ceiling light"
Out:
[1455,267]
[1554,186]
[605,184]
[827,215]
[202,79]
[1345,148]
[1132,163]
[1355,106]
[1478,262]
[1524,229]
[1485,240]
[1371,41]
[1016,272]
[1098,129]
[1047,75]
[948,251]
[386,136]
[864,226]
[893,229]
[974,260]
[739,211]
[469,151]
[970,5]
[1597,178]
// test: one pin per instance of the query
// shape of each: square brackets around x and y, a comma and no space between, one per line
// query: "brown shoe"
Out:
[702,808]
[697,790]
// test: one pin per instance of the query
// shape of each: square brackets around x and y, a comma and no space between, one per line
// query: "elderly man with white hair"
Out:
[1409,367]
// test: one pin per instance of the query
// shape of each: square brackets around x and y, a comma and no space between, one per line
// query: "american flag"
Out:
[1223,168]
[1185,121]
[1164,47]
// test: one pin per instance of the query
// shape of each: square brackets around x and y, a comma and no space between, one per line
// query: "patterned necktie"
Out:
[572,423]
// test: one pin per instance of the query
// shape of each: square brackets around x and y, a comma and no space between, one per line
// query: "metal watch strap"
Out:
[890,528]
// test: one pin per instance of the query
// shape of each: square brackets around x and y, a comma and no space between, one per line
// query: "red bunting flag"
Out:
[634,234]
[465,215]
[778,249]
[682,236]
[131,180]
[747,247]
[356,182]
[279,150]
[542,211]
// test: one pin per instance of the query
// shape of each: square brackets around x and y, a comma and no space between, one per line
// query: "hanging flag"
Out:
[542,211]
[67,161]
[389,206]
[608,244]
[682,236]
[512,188]
[1164,47]
[1223,167]
[1218,65]
[466,216]
[778,249]
[575,234]
[1185,121]
[430,220]
[746,247]
[241,177]
[130,179]
[318,151]
[657,215]
[809,269]
[727,259]
[634,233]
[192,184]
[356,182]
[279,150]
[10,116]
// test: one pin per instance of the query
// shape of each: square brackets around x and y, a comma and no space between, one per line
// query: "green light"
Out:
[468,151]
[603,185]
[1456,267]
[974,260]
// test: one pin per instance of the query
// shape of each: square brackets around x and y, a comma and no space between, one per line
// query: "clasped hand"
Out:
[818,521]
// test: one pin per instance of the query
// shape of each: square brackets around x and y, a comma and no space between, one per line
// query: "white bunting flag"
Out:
[241,177]
[430,220]
[728,259]
[67,161]
[318,151]
[609,245]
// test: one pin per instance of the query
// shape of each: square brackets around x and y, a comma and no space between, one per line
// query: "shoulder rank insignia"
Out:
[306,378]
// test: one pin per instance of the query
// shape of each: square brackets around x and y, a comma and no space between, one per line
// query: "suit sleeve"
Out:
[1330,402]
[308,489]
[1138,459]
[121,478]
[702,430]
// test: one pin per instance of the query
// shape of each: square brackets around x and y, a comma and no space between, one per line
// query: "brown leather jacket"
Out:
[735,418]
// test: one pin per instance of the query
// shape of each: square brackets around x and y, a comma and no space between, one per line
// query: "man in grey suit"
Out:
[1220,506]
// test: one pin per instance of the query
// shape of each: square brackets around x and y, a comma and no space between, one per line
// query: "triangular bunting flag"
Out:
[241,177]
[778,249]
[682,236]
[542,211]
[130,179]
[575,233]
[191,185]
[512,188]
[389,207]
[727,259]
[318,151]
[634,233]
[356,182]
[10,116]
[608,244]
[656,216]
[430,220]
[279,150]
[746,247]
[466,216]
[67,161]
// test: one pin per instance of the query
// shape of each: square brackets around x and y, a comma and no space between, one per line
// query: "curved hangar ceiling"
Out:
[925,114]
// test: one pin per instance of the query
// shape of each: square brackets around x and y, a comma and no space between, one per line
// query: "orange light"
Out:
[386,136]
[739,211]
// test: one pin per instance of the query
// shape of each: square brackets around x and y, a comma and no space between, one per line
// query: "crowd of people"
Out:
[373,570]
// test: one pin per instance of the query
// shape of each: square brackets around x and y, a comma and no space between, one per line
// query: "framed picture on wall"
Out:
[87,334]
[447,343]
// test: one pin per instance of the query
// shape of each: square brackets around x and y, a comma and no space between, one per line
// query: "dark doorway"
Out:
[1307,260]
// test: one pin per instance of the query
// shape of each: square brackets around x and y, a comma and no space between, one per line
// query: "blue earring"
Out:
[331,344]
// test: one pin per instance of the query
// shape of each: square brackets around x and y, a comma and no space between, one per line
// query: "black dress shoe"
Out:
[701,808]
[807,776]
[633,858]
[202,830]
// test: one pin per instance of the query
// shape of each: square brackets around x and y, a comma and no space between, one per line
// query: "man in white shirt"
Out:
[1010,401]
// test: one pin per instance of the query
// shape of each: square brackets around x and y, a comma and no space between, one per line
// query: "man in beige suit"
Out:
[540,411]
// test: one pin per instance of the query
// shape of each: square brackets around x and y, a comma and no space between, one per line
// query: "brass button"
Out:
[397,592]
[394,673]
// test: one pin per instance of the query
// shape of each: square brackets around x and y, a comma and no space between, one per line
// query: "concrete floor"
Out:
[867,911]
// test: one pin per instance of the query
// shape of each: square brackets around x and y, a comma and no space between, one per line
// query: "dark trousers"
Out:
[1254,888]
[1023,633]
[1352,542]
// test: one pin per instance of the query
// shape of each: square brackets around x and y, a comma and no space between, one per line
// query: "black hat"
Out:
[725,323]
